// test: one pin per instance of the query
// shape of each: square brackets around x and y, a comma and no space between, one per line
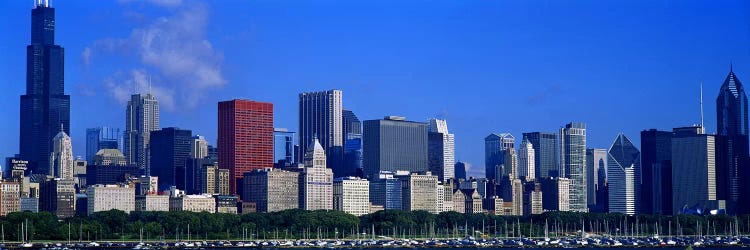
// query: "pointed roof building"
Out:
[731,107]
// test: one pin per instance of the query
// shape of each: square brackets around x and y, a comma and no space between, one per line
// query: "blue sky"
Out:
[485,66]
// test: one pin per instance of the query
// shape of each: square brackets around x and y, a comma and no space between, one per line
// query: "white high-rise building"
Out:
[199,147]
[108,197]
[351,195]
[316,181]
[526,160]
[418,192]
[141,117]
[61,160]
[573,163]
[441,149]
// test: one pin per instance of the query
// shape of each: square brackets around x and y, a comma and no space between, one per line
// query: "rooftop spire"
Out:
[701,100]
[730,66]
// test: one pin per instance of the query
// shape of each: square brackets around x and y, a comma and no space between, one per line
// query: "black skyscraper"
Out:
[44,108]
[169,149]
[656,165]
[732,144]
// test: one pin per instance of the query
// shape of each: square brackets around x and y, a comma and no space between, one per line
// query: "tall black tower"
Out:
[45,108]
[732,145]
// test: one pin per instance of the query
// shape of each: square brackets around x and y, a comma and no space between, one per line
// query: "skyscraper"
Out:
[694,171]
[45,108]
[284,145]
[656,172]
[102,138]
[732,144]
[596,165]
[320,115]
[61,158]
[352,145]
[394,143]
[623,171]
[573,161]
[546,151]
[141,117]
[170,149]
[245,138]
[460,171]
[494,147]
[441,149]
[526,161]
[316,181]
[198,147]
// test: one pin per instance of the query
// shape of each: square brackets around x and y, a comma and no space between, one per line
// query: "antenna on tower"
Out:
[149,84]
[701,102]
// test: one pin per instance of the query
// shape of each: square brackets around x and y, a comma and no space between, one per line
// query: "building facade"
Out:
[170,148]
[419,192]
[546,153]
[272,189]
[108,197]
[351,195]
[152,202]
[656,172]
[245,139]
[393,144]
[193,203]
[10,197]
[693,171]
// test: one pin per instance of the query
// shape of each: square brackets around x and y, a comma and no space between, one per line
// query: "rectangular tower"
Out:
[245,138]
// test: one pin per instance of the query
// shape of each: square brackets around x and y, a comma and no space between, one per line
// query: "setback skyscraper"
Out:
[732,145]
[245,139]
[320,116]
[394,143]
[141,117]
[573,160]
[45,108]
[61,159]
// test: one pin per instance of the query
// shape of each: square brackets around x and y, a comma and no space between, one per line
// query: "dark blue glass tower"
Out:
[169,149]
[732,144]
[45,108]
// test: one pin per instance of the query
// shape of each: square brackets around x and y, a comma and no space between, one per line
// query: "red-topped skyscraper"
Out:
[245,140]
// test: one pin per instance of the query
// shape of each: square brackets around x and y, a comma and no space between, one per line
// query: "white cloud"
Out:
[122,85]
[175,51]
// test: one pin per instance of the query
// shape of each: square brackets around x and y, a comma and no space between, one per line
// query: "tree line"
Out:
[297,224]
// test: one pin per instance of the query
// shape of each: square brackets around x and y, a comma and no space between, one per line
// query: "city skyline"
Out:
[469,126]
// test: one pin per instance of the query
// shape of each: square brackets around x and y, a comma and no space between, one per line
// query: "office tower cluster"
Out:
[338,161]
